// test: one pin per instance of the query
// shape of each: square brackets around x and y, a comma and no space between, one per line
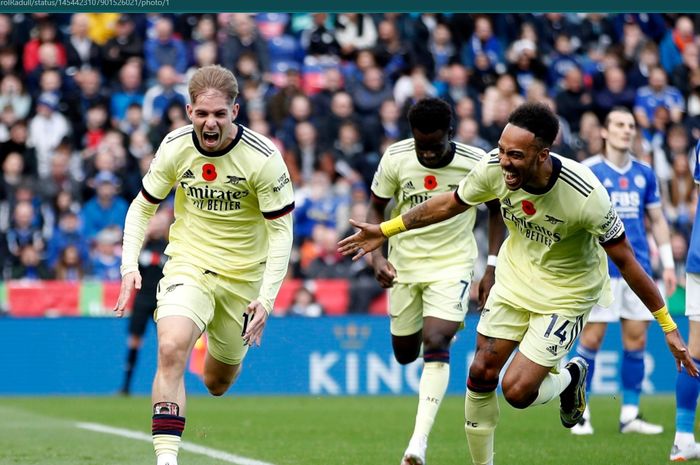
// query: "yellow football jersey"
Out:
[222,199]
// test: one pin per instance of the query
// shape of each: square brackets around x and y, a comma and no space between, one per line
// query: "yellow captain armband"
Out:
[393,226]
[665,321]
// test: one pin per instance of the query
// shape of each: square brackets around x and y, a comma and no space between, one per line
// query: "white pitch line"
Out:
[208,451]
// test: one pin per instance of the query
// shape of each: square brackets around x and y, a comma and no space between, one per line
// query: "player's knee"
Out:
[518,395]
[170,354]
[217,386]
[435,341]
[480,372]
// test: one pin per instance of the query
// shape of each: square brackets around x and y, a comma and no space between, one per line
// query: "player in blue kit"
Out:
[684,445]
[634,193]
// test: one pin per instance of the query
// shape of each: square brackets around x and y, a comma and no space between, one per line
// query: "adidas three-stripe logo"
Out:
[188,175]
[552,349]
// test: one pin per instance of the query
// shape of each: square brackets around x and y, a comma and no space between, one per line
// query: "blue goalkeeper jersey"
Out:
[633,189]
[693,264]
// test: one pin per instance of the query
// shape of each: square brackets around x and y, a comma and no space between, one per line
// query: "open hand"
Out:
[368,238]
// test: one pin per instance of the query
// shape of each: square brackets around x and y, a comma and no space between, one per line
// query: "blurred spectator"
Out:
[342,110]
[243,37]
[316,203]
[14,95]
[66,234]
[12,168]
[412,87]
[638,74]
[653,24]
[319,40]
[354,31]
[596,29]
[133,121]
[278,104]
[369,95]
[65,173]
[524,64]
[46,130]
[389,127]
[129,91]
[550,26]
[504,96]
[680,77]
[332,84]
[614,93]
[81,51]
[468,133]
[164,50]
[307,156]
[90,94]
[675,41]
[18,143]
[305,304]
[441,47]
[124,47]
[45,33]
[104,259]
[23,231]
[329,263]
[351,160]
[483,45]
[391,53]
[299,112]
[30,266]
[561,60]
[456,84]
[573,100]
[106,208]
[69,266]
[657,94]
[168,91]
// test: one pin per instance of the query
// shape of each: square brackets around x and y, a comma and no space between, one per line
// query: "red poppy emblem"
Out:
[528,207]
[209,172]
[624,183]
[430,182]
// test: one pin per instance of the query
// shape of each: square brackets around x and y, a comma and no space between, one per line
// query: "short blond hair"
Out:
[213,77]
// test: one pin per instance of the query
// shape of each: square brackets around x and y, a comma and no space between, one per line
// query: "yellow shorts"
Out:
[409,303]
[214,303]
[544,338]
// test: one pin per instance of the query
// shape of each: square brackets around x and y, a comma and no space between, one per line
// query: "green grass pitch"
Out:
[317,431]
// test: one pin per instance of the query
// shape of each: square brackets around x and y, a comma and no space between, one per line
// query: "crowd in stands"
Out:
[86,98]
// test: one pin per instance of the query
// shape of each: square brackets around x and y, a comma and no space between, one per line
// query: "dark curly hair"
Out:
[430,115]
[537,118]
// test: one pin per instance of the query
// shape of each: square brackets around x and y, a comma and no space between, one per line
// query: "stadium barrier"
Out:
[303,356]
[97,298]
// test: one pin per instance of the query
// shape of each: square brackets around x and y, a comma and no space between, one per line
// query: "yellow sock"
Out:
[552,386]
[481,417]
[433,384]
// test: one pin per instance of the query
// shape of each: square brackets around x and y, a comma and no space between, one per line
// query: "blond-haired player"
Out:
[228,247]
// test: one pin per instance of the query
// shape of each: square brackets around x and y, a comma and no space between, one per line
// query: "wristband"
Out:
[393,226]
[666,256]
[491,260]
[665,321]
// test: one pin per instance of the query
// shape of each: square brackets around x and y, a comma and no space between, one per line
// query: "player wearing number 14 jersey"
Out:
[551,271]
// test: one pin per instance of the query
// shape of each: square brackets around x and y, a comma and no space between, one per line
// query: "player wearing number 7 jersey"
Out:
[551,271]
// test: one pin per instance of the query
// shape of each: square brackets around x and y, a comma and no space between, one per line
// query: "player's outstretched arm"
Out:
[621,253]
[371,236]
